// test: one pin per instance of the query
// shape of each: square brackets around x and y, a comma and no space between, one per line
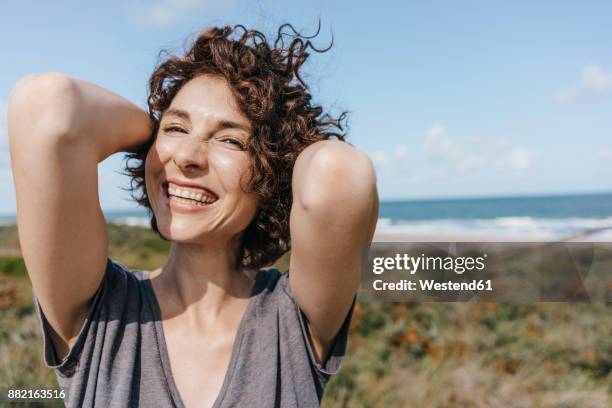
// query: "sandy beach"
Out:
[386,235]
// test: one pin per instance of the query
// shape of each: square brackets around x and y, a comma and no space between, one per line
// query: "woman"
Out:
[234,163]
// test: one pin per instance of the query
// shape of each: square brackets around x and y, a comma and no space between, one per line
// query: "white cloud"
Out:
[595,81]
[518,159]
[442,148]
[401,152]
[386,162]
[460,156]
[165,12]
[442,156]
[380,159]
[500,144]
[438,144]
[382,162]
[605,153]
[478,139]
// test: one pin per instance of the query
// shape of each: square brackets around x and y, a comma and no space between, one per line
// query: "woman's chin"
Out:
[180,233]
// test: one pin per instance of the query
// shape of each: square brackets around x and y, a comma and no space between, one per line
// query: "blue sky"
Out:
[450,99]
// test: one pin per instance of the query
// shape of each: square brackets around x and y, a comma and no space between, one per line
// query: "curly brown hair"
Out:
[265,80]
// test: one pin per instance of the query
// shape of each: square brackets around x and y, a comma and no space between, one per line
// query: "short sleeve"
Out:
[67,365]
[338,349]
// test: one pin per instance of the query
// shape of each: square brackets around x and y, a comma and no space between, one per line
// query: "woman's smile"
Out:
[187,199]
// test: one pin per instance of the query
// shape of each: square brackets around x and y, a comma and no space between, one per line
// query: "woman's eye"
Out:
[173,129]
[234,142]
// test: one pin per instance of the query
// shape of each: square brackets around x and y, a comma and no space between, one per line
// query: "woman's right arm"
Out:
[60,128]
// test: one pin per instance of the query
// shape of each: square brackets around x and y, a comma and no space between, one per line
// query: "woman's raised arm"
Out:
[332,222]
[60,128]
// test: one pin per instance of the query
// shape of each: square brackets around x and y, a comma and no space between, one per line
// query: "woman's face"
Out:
[197,165]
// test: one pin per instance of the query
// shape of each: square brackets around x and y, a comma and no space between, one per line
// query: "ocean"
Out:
[538,217]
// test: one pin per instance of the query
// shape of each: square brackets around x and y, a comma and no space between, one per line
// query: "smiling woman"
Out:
[236,166]
[199,152]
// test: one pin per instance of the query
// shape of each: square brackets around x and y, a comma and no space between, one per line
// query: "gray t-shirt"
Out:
[120,358]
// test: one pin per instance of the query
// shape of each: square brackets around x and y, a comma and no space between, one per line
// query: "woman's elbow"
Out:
[43,105]
[340,175]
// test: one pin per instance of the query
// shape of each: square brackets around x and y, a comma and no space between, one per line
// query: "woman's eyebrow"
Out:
[229,124]
[221,125]
[178,113]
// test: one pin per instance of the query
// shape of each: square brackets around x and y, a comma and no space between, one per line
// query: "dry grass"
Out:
[400,354]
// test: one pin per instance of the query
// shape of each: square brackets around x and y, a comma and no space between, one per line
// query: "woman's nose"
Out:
[191,155]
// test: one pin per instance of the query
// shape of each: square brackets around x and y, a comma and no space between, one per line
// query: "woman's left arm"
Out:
[332,222]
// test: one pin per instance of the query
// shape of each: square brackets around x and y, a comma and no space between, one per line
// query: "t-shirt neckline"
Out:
[165,357]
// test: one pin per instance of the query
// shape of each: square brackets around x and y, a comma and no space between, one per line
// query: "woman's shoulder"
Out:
[271,282]
[118,301]
[279,319]
[118,273]
[273,293]
[121,284]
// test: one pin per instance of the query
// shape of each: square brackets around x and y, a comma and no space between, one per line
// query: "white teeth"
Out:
[188,201]
[204,198]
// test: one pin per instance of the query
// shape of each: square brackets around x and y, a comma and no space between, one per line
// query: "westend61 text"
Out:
[432,285]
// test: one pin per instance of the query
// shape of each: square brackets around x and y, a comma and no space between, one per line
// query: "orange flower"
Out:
[357,311]
[411,335]
[501,363]
[432,349]
[591,356]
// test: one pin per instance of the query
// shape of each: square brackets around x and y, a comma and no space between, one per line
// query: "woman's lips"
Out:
[183,205]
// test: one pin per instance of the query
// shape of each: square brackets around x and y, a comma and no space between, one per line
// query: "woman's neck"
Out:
[203,284]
